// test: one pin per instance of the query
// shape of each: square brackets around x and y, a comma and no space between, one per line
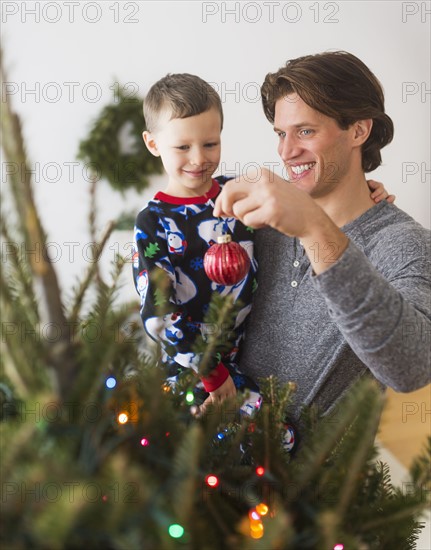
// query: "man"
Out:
[343,283]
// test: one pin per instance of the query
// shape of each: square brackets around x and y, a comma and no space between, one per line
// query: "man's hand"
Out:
[275,202]
[378,192]
[271,201]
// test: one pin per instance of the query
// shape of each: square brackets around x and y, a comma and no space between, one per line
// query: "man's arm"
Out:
[386,322]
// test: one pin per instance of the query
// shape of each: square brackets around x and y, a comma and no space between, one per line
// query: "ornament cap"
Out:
[224,239]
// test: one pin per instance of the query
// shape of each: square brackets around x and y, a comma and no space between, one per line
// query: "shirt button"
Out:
[294,284]
[295,263]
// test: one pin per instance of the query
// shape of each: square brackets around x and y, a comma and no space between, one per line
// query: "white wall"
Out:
[232,45]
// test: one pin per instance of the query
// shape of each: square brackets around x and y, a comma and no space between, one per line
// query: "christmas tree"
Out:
[98,452]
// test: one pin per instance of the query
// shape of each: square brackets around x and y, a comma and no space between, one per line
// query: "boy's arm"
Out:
[164,317]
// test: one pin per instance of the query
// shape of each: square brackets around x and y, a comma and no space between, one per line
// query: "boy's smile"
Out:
[190,151]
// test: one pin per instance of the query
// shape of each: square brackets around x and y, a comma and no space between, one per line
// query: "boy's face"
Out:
[189,149]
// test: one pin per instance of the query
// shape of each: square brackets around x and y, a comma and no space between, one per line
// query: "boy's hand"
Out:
[378,192]
[227,389]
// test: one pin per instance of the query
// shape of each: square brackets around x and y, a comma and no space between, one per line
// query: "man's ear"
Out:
[150,143]
[362,130]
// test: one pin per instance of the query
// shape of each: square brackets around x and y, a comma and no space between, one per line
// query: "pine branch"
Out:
[385,486]
[15,155]
[13,372]
[221,313]
[19,269]
[93,207]
[98,353]
[93,451]
[31,228]
[89,277]
[185,473]
[321,444]
[61,353]
[231,541]
[366,426]
[266,413]
[420,470]
[96,251]
[408,511]
[15,444]
[21,340]
[278,396]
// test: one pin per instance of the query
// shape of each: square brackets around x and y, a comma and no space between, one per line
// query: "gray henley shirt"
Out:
[370,312]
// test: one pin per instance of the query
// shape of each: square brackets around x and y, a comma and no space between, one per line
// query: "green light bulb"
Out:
[176,531]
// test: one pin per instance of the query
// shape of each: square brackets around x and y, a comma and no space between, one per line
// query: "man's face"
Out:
[316,152]
[190,151]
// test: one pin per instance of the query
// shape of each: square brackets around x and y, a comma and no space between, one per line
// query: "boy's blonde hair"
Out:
[184,95]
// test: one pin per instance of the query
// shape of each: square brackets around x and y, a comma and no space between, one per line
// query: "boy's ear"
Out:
[150,143]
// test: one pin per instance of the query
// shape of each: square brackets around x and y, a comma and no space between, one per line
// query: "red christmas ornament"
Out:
[226,263]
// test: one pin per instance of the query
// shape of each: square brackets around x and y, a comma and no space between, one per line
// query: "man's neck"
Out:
[348,201]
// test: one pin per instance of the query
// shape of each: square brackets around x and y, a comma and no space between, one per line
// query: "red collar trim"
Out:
[211,194]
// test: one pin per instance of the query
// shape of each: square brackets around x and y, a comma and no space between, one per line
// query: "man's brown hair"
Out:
[340,86]
[184,95]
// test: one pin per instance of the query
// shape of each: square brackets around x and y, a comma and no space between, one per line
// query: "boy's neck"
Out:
[182,192]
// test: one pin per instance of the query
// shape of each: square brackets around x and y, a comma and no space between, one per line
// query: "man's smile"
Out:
[299,170]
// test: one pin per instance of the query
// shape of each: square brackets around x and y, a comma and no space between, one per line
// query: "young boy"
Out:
[184,119]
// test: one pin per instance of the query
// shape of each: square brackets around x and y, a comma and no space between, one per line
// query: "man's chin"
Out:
[306,184]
